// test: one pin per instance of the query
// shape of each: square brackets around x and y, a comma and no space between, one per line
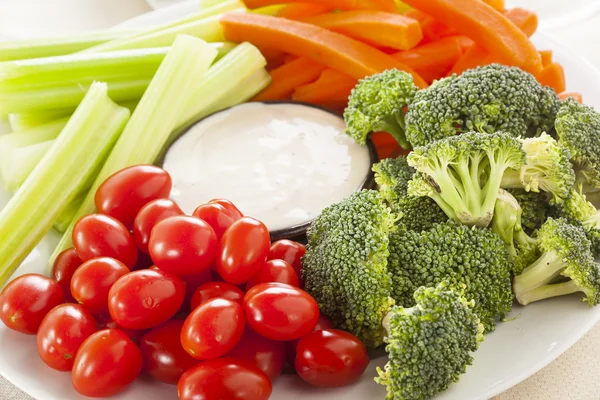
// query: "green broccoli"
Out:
[547,168]
[535,208]
[485,99]
[345,266]
[458,254]
[578,129]
[463,173]
[565,253]
[430,344]
[377,103]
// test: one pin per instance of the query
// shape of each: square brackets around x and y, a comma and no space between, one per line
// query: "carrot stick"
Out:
[275,58]
[546,57]
[577,96]
[432,60]
[289,58]
[299,11]
[465,42]
[487,27]
[472,58]
[553,75]
[432,28]
[376,28]
[287,77]
[333,4]
[387,146]
[525,20]
[331,89]
[318,44]
[386,5]
[496,4]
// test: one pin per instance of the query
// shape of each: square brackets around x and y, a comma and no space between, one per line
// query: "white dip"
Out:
[279,163]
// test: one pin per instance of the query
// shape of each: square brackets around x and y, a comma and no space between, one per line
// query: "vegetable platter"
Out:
[493,302]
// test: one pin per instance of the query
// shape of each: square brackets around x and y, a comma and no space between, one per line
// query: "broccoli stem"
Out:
[394,125]
[547,291]
[512,179]
[543,271]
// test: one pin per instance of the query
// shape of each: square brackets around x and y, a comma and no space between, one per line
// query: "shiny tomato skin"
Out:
[280,312]
[216,216]
[289,251]
[183,245]
[146,298]
[192,283]
[98,235]
[274,271]
[331,358]
[212,290]
[267,355]
[106,363]
[26,300]
[124,193]
[106,322]
[61,333]
[213,329]
[232,210]
[165,360]
[148,216]
[63,268]
[243,250]
[322,323]
[224,379]
[92,282]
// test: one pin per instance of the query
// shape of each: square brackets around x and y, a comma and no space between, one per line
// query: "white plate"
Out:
[515,351]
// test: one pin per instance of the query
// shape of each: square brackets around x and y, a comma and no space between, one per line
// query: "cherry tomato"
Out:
[98,235]
[243,250]
[322,323]
[144,262]
[274,271]
[216,216]
[267,355]
[164,358]
[212,290]
[61,333]
[92,282]
[183,245]
[106,322]
[106,363]
[63,268]
[331,358]
[192,283]
[280,312]
[232,210]
[226,379]
[26,300]
[213,329]
[124,193]
[151,214]
[289,251]
[146,298]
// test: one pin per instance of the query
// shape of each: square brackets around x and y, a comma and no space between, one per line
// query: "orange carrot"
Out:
[331,89]
[299,11]
[577,96]
[496,4]
[432,28]
[386,5]
[287,77]
[472,58]
[553,75]
[333,4]
[275,58]
[546,57]
[433,60]
[465,42]
[487,27]
[332,49]
[289,58]
[386,146]
[525,20]
[376,28]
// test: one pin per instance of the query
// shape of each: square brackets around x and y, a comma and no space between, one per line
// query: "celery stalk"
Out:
[20,162]
[25,122]
[66,216]
[81,146]
[155,117]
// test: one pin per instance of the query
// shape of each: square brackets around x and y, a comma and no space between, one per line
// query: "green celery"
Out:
[66,216]
[25,122]
[20,162]
[155,117]
[82,145]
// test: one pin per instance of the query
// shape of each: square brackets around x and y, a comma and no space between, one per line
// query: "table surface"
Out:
[573,376]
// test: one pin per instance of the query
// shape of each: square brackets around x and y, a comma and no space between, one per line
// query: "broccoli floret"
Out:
[578,129]
[430,344]
[345,266]
[535,208]
[418,213]
[578,211]
[547,168]
[458,254]
[377,104]
[463,173]
[565,253]
[485,99]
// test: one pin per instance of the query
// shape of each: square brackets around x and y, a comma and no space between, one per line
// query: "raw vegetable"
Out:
[334,4]
[331,89]
[288,77]
[300,11]
[274,271]
[63,269]
[472,58]
[20,162]
[525,20]
[553,75]
[574,95]
[433,60]
[546,57]
[77,153]
[148,216]
[23,122]
[267,355]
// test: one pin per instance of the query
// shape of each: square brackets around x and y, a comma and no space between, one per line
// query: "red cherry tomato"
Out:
[289,251]
[151,214]
[106,363]
[144,262]
[274,271]
[61,333]
[98,235]
[232,210]
[164,358]
[331,358]
[192,283]
[63,268]
[226,379]
[213,329]
[124,193]
[183,245]
[25,301]
[243,250]
[92,282]
[212,290]
[280,312]
[216,216]
[267,355]
[105,322]
[322,323]
[146,298]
